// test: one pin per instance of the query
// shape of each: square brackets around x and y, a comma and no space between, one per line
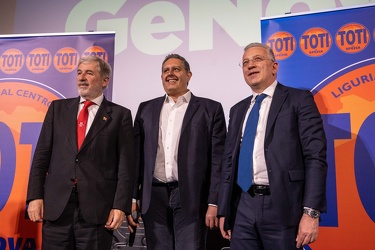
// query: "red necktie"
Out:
[82,122]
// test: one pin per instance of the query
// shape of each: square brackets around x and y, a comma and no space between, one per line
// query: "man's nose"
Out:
[81,76]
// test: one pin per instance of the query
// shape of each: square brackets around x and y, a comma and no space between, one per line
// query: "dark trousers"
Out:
[166,225]
[70,231]
[257,226]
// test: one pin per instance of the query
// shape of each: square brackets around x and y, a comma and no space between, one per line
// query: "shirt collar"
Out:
[186,98]
[269,91]
[98,100]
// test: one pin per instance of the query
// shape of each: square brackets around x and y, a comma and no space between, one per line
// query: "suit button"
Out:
[78,161]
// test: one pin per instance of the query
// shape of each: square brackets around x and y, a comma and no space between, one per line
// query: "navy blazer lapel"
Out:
[191,109]
[70,118]
[155,119]
[102,117]
[239,119]
[279,96]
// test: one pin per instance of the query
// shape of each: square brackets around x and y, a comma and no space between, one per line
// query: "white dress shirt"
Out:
[260,175]
[171,118]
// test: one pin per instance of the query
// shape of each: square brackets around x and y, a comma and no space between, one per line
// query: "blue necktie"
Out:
[245,163]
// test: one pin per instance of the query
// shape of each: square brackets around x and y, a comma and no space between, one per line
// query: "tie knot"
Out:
[260,98]
[87,104]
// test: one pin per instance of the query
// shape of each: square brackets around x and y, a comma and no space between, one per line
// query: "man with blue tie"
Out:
[274,169]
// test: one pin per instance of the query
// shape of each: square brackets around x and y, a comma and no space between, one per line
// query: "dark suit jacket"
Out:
[200,151]
[104,166]
[295,153]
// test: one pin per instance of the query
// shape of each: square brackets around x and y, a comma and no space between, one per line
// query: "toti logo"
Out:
[96,51]
[11,61]
[315,42]
[23,105]
[352,38]
[66,60]
[38,60]
[346,101]
[283,44]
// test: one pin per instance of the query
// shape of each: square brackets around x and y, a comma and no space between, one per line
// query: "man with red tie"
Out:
[81,177]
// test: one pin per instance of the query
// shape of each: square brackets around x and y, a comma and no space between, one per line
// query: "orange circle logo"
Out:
[315,42]
[66,60]
[96,51]
[11,61]
[283,44]
[38,60]
[352,38]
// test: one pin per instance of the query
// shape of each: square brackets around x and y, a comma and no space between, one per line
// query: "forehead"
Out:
[171,62]
[249,53]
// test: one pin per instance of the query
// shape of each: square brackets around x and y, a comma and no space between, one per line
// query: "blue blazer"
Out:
[200,151]
[295,154]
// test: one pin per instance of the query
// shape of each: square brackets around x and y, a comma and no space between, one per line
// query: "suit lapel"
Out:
[278,99]
[102,117]
[191,109]
[70,117]
[155,119]
[239,119]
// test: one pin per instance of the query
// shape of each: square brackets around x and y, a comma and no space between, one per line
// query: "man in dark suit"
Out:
[179,145]
[81,190]
[280,207]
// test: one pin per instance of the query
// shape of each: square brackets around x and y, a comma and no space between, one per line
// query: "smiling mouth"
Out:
[253,73]
[172,80]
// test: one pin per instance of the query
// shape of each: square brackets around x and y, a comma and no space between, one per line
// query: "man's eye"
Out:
[257,59]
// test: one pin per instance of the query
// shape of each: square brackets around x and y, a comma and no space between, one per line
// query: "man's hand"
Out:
[35,210]
[225,234]
[115,219]
[211,220]
[132,221]
[308,230]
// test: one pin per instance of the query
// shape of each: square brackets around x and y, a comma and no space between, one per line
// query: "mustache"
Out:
[82,83]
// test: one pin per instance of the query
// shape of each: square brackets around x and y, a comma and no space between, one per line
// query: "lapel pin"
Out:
[104,118]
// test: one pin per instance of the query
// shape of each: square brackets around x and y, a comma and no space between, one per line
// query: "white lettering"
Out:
[153,26]
[240,22]
[80,14]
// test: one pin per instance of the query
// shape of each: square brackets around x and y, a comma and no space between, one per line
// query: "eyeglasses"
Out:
[255,59]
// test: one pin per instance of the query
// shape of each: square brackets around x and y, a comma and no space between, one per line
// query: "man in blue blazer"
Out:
[82,191]
[281,208]
[179,145]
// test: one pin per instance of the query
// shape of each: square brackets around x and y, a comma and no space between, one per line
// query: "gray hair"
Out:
[266,47]
[105,70]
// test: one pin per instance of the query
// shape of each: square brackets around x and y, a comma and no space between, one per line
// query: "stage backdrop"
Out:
[332,53]
[34,70]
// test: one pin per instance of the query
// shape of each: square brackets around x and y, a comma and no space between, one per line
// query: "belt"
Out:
[259,190]
[169,185]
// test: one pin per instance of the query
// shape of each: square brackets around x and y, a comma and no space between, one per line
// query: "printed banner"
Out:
[34,70]
[332,53]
